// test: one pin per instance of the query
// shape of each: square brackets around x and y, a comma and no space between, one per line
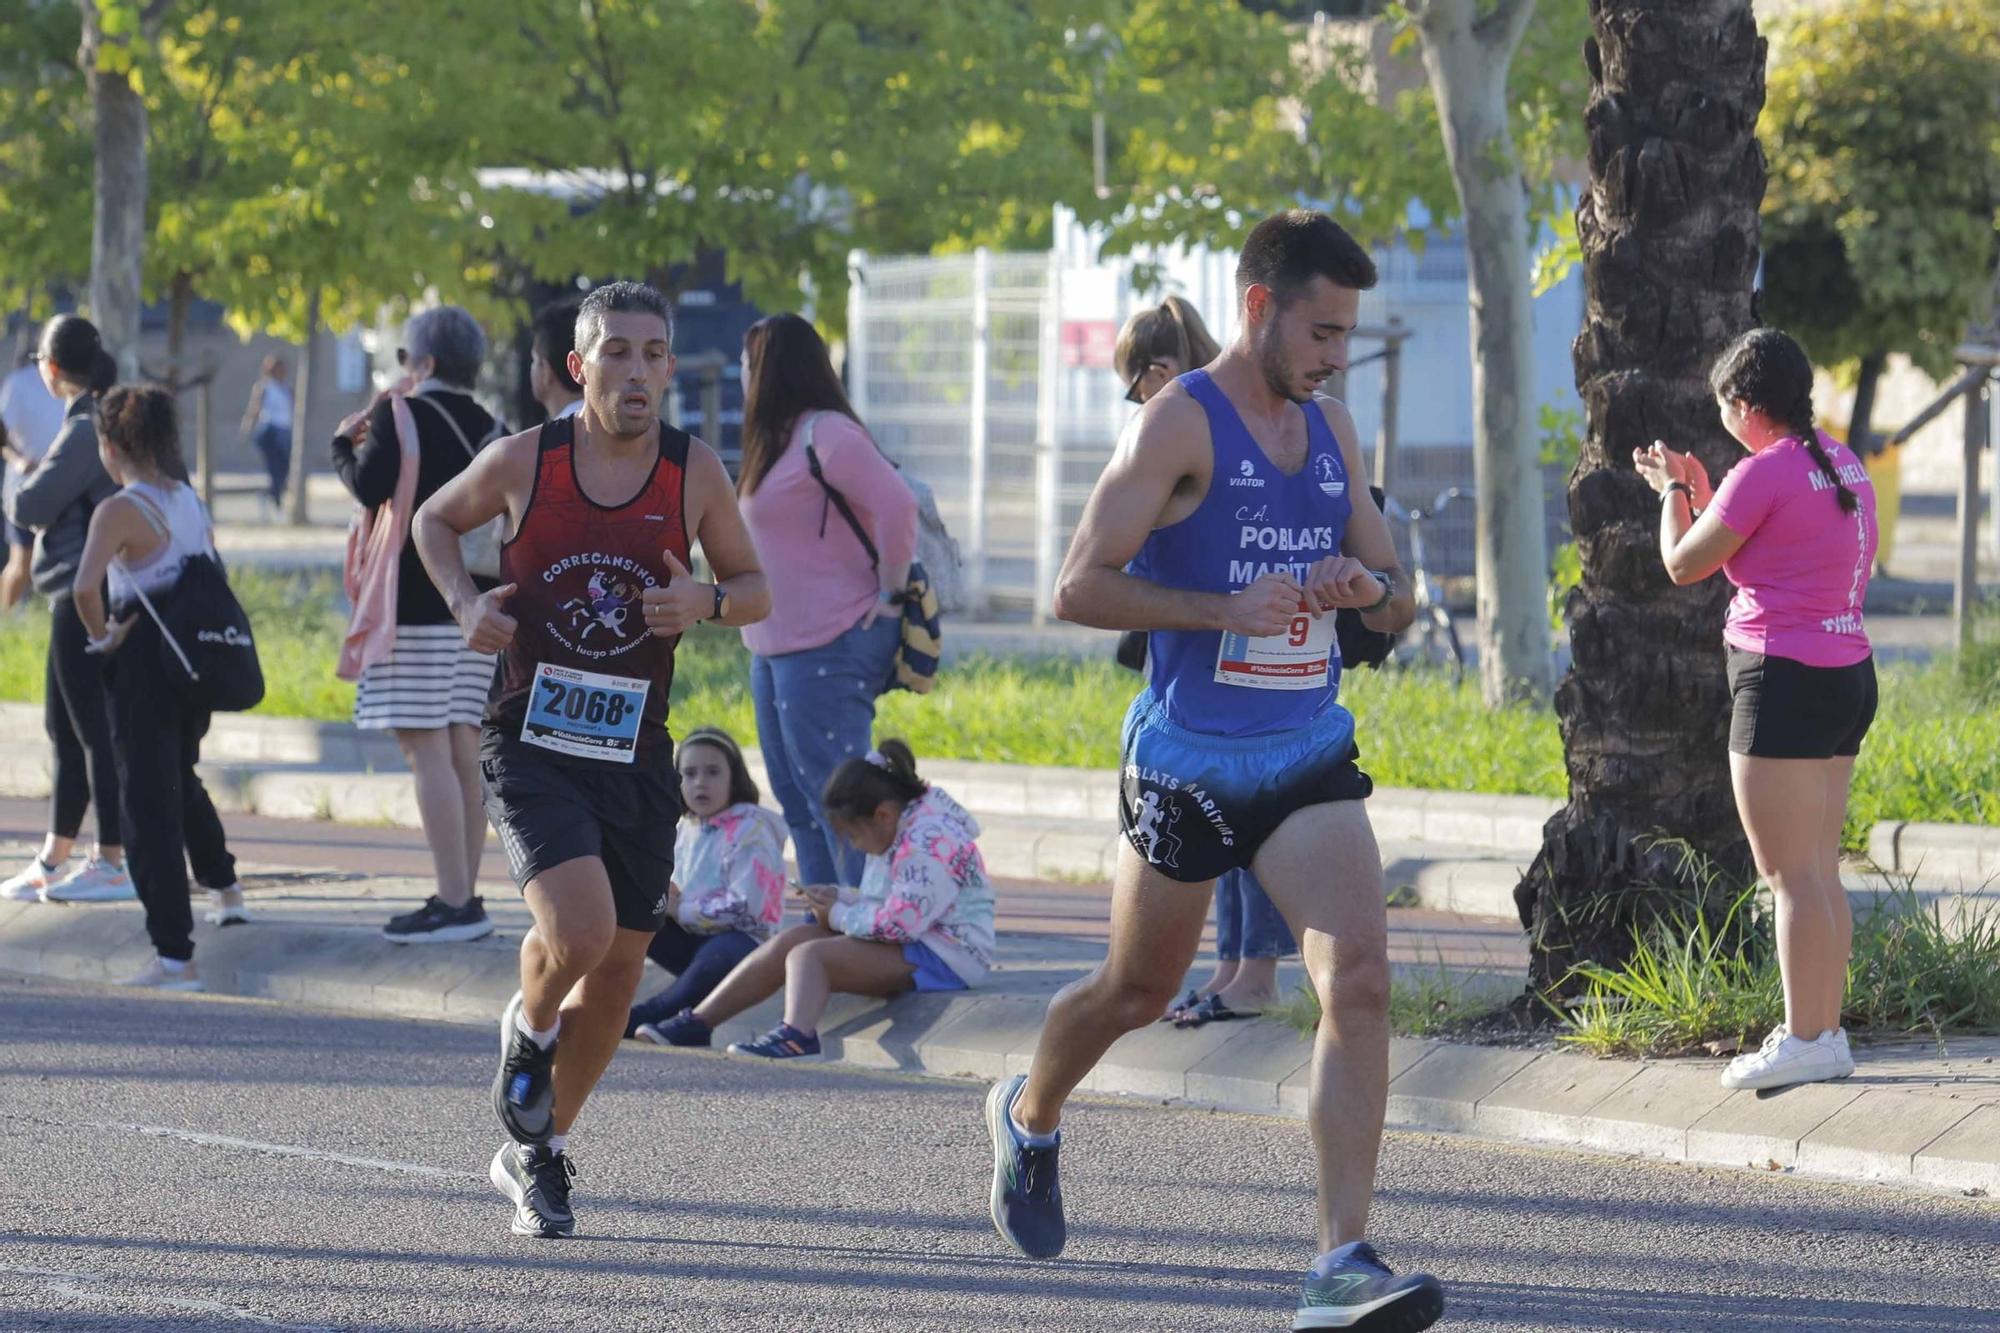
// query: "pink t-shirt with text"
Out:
[1801,574]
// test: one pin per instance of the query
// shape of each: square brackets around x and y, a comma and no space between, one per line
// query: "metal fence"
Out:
[990,377]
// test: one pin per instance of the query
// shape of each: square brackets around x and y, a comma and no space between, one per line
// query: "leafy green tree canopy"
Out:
[1882,125]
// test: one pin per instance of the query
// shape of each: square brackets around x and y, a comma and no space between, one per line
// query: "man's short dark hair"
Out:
[555,339]
[618,297]
[1288,250]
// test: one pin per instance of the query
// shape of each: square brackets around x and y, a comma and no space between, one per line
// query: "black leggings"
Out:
[169,819]
[79,726]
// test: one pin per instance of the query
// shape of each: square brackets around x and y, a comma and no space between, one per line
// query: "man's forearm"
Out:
[746,599]
[1106,598]
[1402,608]
[437,547]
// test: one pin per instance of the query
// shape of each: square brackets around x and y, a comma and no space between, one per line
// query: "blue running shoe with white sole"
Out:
[1358,1291]
[1027,1193]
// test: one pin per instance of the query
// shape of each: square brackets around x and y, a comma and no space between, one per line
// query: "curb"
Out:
[1855,1130]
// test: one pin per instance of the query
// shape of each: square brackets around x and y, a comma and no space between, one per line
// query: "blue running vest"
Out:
[1253,520]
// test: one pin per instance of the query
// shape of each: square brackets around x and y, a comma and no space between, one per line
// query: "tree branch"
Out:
[1501,31]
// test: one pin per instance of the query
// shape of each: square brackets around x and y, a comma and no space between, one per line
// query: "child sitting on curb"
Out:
[729,878]
[922,919]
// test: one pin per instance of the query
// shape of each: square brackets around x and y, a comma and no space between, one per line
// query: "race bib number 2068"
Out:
[584,714]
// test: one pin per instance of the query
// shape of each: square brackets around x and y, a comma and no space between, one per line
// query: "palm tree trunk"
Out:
[1669,231]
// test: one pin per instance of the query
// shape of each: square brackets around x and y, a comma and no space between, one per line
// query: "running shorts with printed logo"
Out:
[548,810]
[1196,806]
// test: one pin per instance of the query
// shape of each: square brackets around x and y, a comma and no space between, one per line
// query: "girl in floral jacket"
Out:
[729,878]
[922,919]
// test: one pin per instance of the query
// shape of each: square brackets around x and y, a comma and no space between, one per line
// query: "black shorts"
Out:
[1783,709]
[1197,806]
[548,810]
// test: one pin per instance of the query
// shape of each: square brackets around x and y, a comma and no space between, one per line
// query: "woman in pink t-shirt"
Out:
[828,646]
[1793,527]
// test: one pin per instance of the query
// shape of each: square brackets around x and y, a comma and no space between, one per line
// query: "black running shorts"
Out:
[548,811]
[1197,806]
[1783,709]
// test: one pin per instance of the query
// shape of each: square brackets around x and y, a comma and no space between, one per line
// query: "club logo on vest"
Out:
[1329,479]
[227,636]
[602,620]
[1247,471]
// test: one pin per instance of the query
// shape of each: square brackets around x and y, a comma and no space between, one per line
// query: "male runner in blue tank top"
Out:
[1231,524]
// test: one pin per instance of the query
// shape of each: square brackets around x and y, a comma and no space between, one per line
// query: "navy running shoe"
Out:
[1027,1195]
[683,1029]
[783,1042]
[524,1092]
[537,1180]
[1358,1291]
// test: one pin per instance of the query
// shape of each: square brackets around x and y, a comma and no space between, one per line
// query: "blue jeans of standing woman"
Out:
[816,709]
[1247,923]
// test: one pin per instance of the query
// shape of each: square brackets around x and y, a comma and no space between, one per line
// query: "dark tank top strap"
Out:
[557,432]
[674,444]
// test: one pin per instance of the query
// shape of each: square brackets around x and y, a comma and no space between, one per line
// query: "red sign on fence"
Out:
[1088,344]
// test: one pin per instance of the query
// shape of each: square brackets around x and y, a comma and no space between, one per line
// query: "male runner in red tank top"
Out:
[602,510]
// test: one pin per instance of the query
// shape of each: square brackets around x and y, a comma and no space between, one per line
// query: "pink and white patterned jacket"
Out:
[731,870]
[930,888]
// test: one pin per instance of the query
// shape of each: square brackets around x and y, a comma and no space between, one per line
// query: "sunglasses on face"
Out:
[1132,389]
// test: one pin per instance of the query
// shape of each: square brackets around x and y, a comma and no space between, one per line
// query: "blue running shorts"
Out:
[1196,807]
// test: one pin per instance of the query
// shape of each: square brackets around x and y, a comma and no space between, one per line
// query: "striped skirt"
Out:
[428,680]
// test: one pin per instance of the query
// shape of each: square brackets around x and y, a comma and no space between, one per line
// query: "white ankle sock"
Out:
[558,1142]
[541,1039]
[175,966]
[1032,1140]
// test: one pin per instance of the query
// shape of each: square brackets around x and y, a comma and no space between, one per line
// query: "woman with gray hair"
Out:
[431,689]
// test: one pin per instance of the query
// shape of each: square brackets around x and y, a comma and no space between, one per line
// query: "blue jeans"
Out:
[698,962]
[815,709]
[275,443]
[1247,923]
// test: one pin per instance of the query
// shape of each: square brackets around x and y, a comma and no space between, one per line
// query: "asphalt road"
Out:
[181,1163]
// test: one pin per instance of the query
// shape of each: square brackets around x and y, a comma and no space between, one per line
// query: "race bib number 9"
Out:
[1298,659]
[586,715]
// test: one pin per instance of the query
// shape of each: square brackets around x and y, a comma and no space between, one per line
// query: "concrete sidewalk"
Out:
[1913,1116]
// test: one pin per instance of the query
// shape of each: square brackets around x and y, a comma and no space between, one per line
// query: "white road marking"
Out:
[257,1146]
[59,1283]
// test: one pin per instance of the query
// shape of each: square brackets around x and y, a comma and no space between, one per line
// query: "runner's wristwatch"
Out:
[720,596]
[1388,595]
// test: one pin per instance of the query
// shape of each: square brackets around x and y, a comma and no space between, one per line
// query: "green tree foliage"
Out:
[1882,124]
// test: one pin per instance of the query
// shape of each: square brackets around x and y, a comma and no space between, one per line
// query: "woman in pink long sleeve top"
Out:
[827,648]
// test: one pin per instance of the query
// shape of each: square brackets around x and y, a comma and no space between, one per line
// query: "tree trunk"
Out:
[1669,232]
[301,399]
[180,297]
[1860,420]
[118,230]
[1467,55]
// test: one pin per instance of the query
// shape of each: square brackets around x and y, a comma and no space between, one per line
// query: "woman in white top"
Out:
[267,421]
[142,538]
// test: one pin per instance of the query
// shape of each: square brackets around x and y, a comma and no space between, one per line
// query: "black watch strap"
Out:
[1388,594]
[720,597]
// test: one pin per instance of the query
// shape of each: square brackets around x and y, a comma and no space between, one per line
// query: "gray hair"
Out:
[452,338]
[615,297]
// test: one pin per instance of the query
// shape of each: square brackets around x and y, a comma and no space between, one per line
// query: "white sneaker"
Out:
[95,881]
[225,907]
[27,886]
[159,976]
[1784,1060]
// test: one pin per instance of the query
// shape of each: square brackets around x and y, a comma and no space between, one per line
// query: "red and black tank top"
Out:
[582,654]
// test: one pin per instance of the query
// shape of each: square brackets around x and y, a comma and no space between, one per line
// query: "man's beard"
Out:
[1271,361]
